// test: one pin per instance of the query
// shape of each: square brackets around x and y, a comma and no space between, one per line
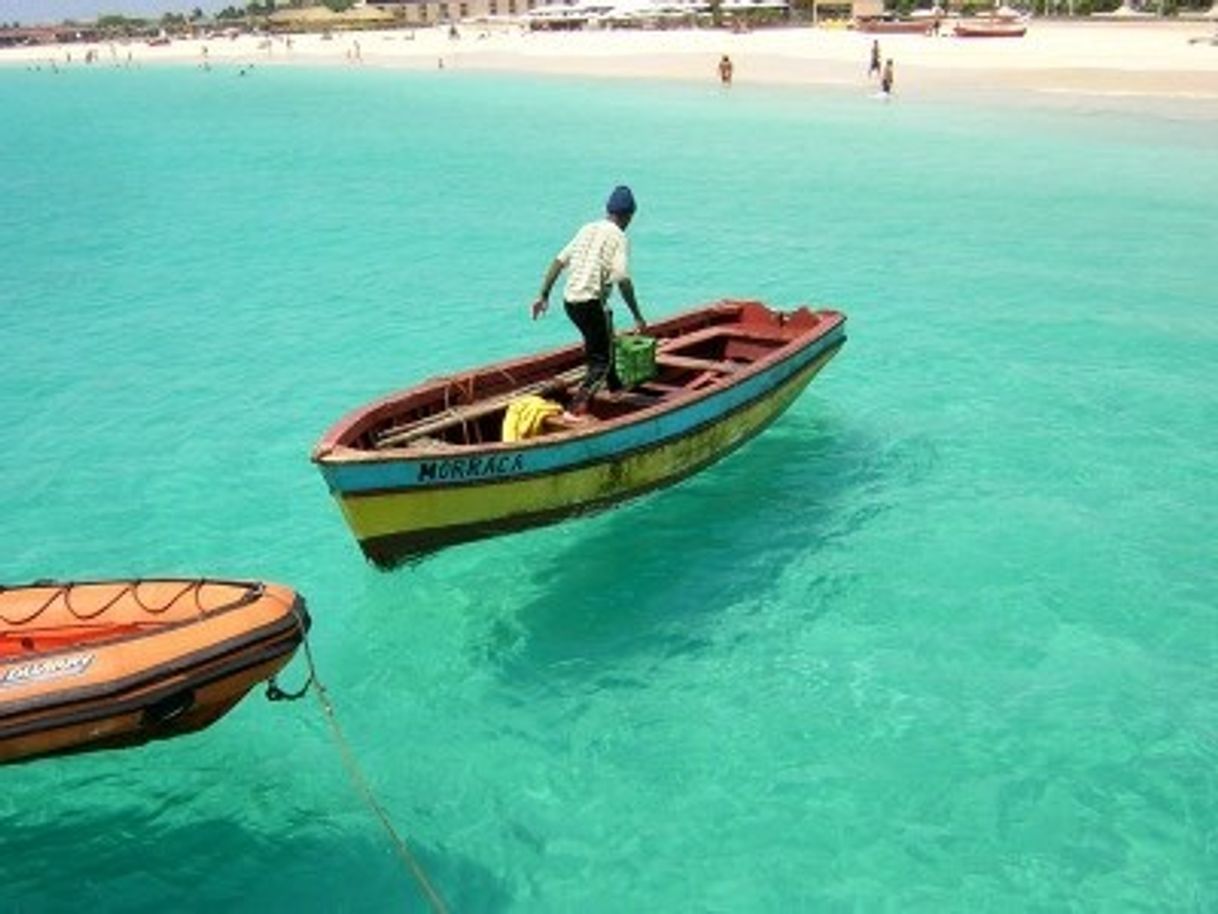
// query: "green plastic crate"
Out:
[635,359]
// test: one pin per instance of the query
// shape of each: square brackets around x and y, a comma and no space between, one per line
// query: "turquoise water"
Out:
[943,639]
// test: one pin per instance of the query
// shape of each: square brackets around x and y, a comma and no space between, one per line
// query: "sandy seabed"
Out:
[1144,59]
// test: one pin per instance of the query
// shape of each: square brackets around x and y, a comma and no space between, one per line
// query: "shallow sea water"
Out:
[944,638]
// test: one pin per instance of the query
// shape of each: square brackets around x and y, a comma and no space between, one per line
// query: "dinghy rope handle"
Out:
[193,586]
[273,692]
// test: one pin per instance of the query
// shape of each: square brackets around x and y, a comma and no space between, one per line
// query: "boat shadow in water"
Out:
[640,577]
[125,861]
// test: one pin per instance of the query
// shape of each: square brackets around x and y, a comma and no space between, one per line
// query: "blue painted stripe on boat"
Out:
[438,469]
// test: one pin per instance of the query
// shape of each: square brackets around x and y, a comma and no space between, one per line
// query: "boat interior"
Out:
[17,644]
[469,410]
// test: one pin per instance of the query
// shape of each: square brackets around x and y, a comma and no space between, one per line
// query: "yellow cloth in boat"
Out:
[526,417]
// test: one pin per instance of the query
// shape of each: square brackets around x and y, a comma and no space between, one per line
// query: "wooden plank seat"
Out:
[633,398]
[734,331]
[705,379]
[660,389]
[665,360]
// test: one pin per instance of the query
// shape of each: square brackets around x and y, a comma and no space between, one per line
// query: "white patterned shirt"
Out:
[596,258]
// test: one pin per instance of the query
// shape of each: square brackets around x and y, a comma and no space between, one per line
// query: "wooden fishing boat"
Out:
[879,25]
[107,664]
[991,28]
[428,467]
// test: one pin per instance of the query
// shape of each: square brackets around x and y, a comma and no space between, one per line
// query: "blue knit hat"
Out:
[621,201]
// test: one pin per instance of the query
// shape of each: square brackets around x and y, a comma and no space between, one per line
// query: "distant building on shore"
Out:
[429,12]
[21,36]
[313,18]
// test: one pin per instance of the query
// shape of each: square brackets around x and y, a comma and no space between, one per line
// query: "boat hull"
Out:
[907,27]
[990,31]
[129,675]
[398,512]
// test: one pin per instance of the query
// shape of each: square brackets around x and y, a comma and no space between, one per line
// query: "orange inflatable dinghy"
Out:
[100,665]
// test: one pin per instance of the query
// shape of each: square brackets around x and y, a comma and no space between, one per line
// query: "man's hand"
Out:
[539,306]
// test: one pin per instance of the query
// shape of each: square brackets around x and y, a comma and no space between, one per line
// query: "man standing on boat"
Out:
[598,258]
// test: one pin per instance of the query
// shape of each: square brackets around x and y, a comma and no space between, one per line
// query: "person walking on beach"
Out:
[886,78]
[598,258]
[874,68]
[725,70]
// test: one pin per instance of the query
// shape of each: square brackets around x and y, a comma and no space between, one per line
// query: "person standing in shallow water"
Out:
[886,78]
[598,258]
[725,70]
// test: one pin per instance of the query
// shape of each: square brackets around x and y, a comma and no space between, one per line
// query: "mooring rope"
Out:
[355,773]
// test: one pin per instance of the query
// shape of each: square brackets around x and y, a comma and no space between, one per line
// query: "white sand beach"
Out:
[1144,58]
